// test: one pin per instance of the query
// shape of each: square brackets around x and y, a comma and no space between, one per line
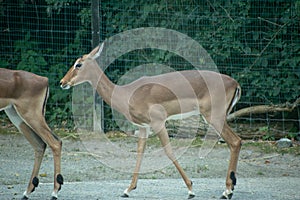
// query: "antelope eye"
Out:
[78,65]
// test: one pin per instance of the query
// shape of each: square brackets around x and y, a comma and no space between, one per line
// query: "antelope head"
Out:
[79,71]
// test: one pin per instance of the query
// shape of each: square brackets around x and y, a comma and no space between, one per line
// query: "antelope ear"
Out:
[97,51]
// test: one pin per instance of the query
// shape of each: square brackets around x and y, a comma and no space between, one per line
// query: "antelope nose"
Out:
[63,85]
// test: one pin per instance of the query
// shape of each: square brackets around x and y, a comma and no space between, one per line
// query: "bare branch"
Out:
[264,109]
[271,40]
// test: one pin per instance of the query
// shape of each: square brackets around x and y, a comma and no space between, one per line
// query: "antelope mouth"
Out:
[65,86]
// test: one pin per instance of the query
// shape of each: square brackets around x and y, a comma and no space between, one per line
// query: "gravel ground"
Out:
[164,189]
[93,170]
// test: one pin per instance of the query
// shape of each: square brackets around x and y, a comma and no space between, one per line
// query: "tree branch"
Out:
[264,109]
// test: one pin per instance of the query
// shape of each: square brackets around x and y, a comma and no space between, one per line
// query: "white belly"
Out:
[184,115]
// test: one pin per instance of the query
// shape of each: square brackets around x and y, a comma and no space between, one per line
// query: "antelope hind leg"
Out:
[36,142]
[234,143]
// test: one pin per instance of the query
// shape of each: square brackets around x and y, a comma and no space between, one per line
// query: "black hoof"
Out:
[24,198]
[125,195]
[191,196]
[53,198]
[228,197]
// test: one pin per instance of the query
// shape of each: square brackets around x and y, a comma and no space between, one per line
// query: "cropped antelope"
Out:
[149,101]
[23,97]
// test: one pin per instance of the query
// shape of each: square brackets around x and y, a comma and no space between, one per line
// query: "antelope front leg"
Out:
[164,138]
[140,152]
[234,143]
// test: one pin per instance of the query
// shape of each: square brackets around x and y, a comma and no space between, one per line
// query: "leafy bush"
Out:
[256,42]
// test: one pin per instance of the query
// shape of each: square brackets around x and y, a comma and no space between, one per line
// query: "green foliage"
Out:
[256,42]
[58,5]
[267,133]
[245,39]
[32,53]
[4,64]
[30,59]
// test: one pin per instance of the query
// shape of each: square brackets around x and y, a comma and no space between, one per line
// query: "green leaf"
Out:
[264,62]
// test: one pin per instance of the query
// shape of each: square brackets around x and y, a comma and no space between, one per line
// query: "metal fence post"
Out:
[95,23]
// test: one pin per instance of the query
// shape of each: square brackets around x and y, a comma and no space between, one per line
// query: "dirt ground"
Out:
[94,166]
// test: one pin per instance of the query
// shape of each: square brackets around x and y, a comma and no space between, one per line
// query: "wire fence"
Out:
[256,42]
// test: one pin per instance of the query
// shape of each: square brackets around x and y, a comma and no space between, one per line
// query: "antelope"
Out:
[23,97]
[149,101]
